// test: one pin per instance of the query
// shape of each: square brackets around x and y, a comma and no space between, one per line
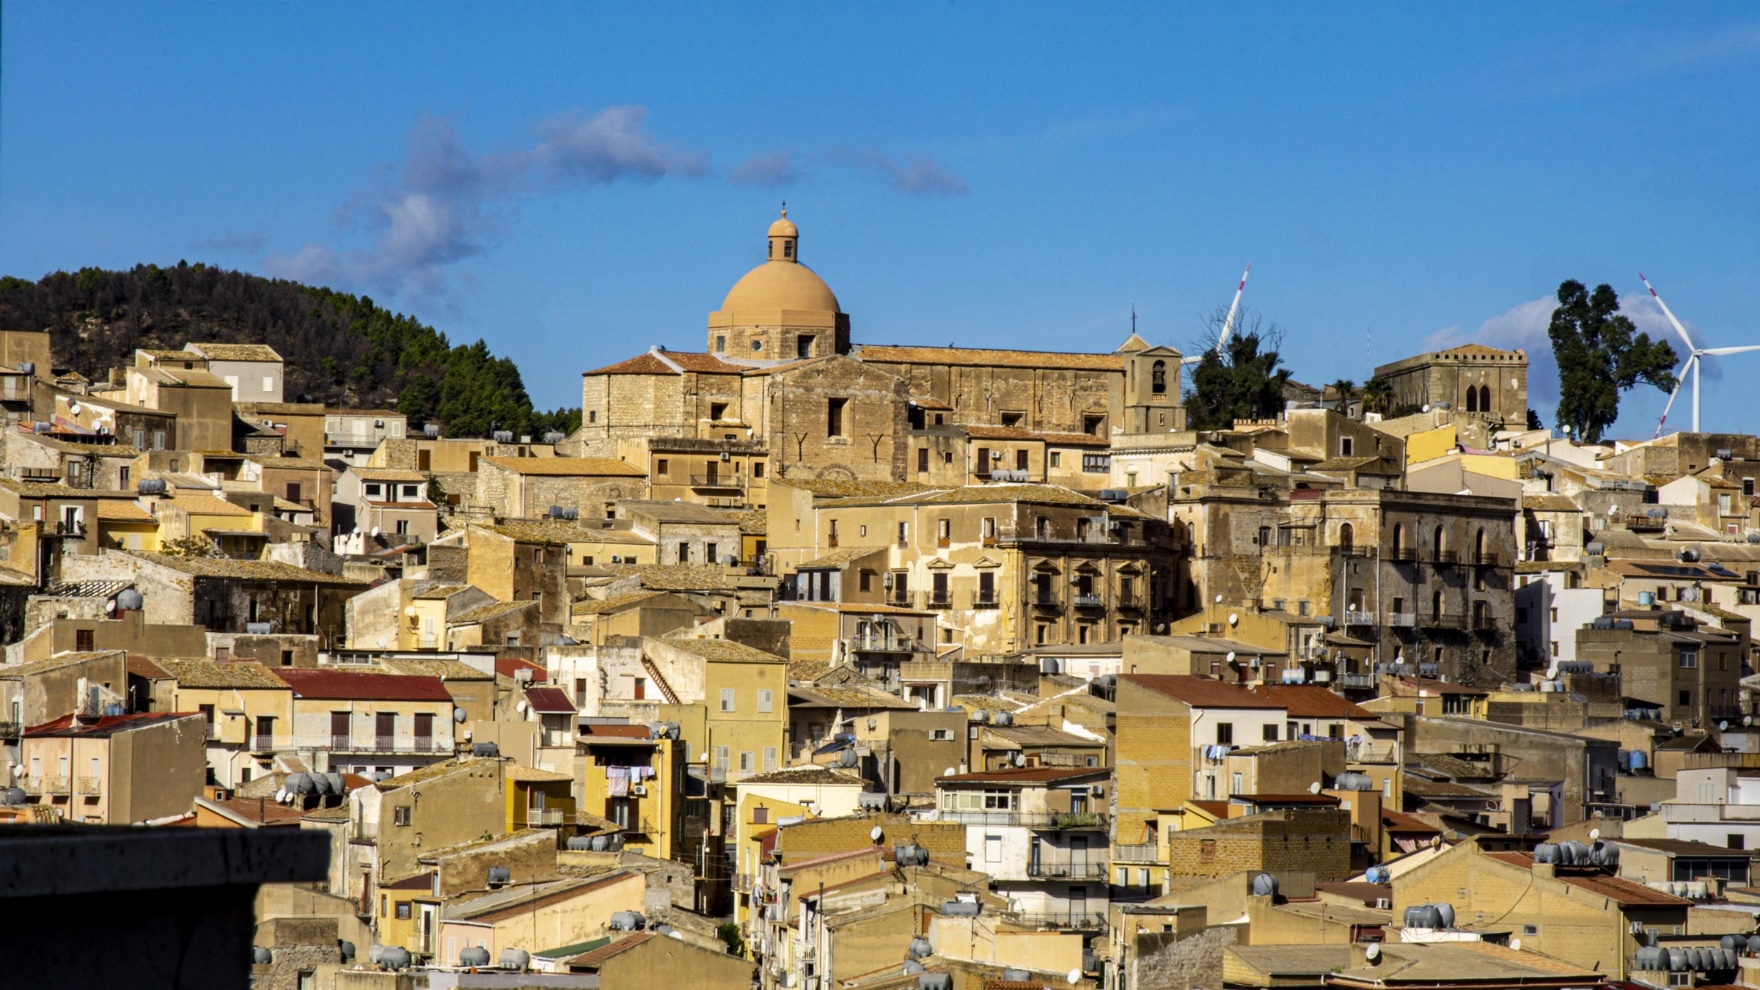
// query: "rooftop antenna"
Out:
[1133,317]
[1227,324]
[1691,367]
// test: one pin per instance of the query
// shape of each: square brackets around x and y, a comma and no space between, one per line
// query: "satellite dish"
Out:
[1314,788]
[1233,619]
[1075,976]
[1230,657]
[375,531]
[1436,842]
[1425,408]
[949,772]
[110,606]
[877,834]
[1723,726]
[1516,944]
[1594,835]
[1219,599]
[1747,720]
[1372,951]
[73,407]
[409,611]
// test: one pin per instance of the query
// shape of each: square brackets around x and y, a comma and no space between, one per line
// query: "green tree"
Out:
[1600,354]
[1346,390]
[1248,385]
[1377,395]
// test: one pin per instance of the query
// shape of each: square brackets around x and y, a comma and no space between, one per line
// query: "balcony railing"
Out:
[880,644]
[1444,557]
[938,599]
[1132,602]
[1484,623]
[1356,618]
[48,783]
[88,785]
[1405,555]
[11,730]
[1443,620]
[1402,620]
[1047,602]
[1067,871]
[981,600]
[414,745]
[544,816]
[1054,820]
[1372,753]
[1089,601]
[1487,558]
[1144,852]
[1354,681]
[718,481]
[1057,920]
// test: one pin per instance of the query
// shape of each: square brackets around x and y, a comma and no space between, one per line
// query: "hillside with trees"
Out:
[341,350]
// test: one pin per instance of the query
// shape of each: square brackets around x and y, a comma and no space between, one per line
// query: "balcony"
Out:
[11,730]
[1089,601]
[1487,558]
[418,746]
[1077,922]
[1047,603]
[1067,871]
[879,644]
[731,481]
[1356,618]
[1354,682]
[1372,753]
[48,783]
[1443,620]
[938,600]
[90,786]
[1444,558]
[1062,821]
[981,600]
[1129,603]
[1484,623]
[1404,555]
[1402,620]
[262,743]
[70,530]
[545,816]
[1145,852]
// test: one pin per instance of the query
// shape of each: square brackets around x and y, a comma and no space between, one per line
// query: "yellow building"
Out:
[124,525]
[584,545]
[249,713]
[538,798]
[237,531]
[744,692]
[634,779]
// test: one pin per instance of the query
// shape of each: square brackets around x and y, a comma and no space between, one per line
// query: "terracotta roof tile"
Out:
[221,674]
[567,467]
[1201,692]
[549,701]
[236,352]
[1312,701]
[986,357]
[344,685]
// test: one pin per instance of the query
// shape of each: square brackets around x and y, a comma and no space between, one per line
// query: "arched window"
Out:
[1436,604]
[1479,546]
[1440,544]
[1399,532]
[1472,399]
[1484,398]
[1346,537]
[1158,378]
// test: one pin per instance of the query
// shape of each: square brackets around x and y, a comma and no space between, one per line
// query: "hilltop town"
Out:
[813,663]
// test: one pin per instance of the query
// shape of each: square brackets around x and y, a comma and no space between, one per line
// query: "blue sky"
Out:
[575,182]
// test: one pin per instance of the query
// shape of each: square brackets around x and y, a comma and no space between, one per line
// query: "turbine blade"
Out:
[1665,312]
[1685,370]
[1234,307]
[1721,351]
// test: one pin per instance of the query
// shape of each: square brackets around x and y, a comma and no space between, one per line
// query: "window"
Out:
[992,848]
[727,699]
[722,755]
[867,580]
[943,532]
[400,815]
[757,345]
[745,761]
[660,466]
[721,342]
[403,910]
[684,553]
[803,345]
[1686,699]
[922,458]
[904,532]
[1235,783]
[1056,458]
[1689,658]
[403,527]
[82,640]
[1207,850]
[758,471]
[764,699]
[1268,733]
[1736,840]
[1096,463]
[940,735]
[717,411]
[1158,378]
[986,587]
[769,758]
[834,417]
[1224,733]
[987,530]
[1345,446]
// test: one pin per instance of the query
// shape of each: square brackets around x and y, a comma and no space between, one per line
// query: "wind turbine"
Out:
[1227,325]
[1691,367]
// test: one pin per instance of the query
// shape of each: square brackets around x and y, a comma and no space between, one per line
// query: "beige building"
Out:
[114,769]
[246,710]
[528,487]
[1472,379]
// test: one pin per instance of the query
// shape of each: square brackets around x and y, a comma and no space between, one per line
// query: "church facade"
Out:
[781,390]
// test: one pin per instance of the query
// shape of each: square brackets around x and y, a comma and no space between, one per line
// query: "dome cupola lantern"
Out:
[785,239]
[780,310]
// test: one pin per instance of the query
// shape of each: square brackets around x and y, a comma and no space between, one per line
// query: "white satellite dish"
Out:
[1233,619]
[1314,788]
[1594,835]
[1516,944]
[1075,976]
[949,772]
[1230,656]
[1723,726]
[409,611]
[1219,599]
[1372,951]
[877,834]
[73,407]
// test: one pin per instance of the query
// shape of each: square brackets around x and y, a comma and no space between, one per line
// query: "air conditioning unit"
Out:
[886,580]
[1383,903]
[1098,790]
[639,790]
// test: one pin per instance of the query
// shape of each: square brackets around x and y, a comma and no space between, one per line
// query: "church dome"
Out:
[781,283]
[776,285]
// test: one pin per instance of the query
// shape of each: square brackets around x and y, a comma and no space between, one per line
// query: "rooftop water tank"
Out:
[394,957]
[473,955]
[500,874]
[129,600]
[515,958]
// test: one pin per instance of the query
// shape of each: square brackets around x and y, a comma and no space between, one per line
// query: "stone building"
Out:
[528,487]
[1473,379]
[1009,566]
[780,378]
